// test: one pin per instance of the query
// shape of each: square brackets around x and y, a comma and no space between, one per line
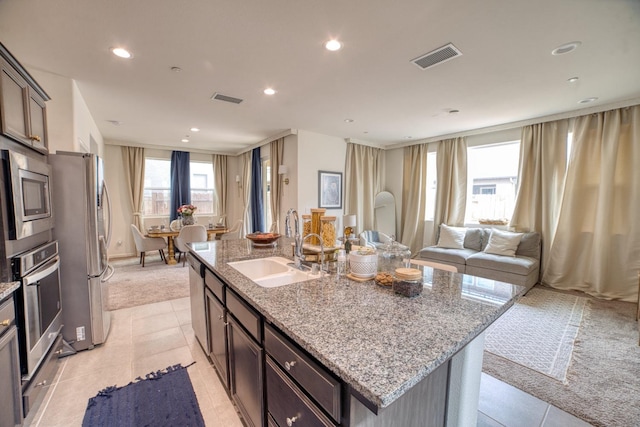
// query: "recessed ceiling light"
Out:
[566,48]
[269,91]
[348,120]
[184,140]
[176,69]
[333,45]
[408,137]
[587,100]
[114,122]
[195,129]
[454,111]
[121,52]
[573,79]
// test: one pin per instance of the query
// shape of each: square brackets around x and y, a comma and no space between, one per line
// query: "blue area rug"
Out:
[162,398]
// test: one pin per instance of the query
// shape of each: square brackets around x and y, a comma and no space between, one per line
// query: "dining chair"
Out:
[432,264]
[189,234]
[144,244]
[234,232]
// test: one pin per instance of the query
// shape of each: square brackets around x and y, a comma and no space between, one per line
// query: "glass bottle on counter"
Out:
[306,225]
[341,263]
[393,255]
[328,231]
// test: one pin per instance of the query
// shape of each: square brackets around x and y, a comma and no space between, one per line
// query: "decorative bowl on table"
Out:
[263,239]
[154,229]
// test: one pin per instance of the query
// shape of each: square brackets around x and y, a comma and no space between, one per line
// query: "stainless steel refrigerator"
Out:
[82,228]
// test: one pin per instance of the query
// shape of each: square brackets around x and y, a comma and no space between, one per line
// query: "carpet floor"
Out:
[539,331]
[603,381]
[131,285]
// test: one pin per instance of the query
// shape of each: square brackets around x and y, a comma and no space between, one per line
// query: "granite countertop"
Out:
[7,288]
[378,342]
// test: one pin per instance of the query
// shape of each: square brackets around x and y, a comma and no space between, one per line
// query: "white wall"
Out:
[59,109]
[85,129]
[318,152]
[121,211]
[68,118]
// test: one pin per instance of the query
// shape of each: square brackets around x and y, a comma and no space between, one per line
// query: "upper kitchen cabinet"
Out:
[23,115]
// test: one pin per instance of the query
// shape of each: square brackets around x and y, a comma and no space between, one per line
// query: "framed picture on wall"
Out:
[330,190]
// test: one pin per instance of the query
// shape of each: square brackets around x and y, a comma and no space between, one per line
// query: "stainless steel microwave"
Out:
[28,195]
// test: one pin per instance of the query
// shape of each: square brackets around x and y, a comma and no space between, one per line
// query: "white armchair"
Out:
[144,244]
[373,239]
[189,234]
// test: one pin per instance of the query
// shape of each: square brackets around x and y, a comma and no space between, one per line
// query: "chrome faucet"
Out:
[297,250]
[321,249]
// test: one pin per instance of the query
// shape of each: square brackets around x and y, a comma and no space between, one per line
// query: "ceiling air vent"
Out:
[438,56]
[219,97]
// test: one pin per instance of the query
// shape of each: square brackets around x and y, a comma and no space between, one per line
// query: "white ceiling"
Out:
[238,48]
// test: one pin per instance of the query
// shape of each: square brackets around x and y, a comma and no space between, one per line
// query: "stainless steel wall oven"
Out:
[38,304]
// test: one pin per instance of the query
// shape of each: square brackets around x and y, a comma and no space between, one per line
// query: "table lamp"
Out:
[349,224]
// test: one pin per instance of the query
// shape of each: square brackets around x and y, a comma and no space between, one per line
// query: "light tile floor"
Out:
[142,339]
[151,337]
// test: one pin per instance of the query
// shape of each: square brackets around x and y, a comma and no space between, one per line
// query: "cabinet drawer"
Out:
[7,315]
[311,376]
[287,405]
[247,316]
[43,377]
[214,284]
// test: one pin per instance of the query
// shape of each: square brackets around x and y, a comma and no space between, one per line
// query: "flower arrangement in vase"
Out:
[187,212]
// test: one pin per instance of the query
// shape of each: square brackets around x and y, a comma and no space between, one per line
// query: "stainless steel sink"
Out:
[272,272]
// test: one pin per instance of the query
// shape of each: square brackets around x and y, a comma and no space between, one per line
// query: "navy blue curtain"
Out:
[257,223]
[180,182]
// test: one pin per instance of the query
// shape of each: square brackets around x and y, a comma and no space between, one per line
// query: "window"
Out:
[492,174]
[157,187]
[202,193]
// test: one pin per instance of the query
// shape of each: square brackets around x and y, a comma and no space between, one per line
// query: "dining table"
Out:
[212,233]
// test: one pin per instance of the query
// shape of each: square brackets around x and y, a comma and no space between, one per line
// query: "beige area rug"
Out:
[602,384]
[131,285]
[538,332]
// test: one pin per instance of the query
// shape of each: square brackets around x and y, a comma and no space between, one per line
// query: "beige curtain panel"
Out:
[133,161]
[596,248]
[276,153]
[364,173]
[220,183]
[245,179]
[451,186]
[414,196]
[541,174]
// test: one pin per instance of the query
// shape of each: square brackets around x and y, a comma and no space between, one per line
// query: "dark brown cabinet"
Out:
[23,115]
[287,405]
[218,336]
[245,367]
[10,388]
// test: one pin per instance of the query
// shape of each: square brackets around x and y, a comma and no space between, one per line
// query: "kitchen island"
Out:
[398,361]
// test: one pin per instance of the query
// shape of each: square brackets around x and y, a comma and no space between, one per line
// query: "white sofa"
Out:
[522,269]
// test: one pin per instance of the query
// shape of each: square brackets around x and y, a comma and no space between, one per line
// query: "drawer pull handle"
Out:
[34,138]
[40,384]
[288,366]
[221,317]
[5,322]
[291,420]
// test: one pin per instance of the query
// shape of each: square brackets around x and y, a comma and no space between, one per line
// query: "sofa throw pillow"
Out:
[451,237]
[503,243]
